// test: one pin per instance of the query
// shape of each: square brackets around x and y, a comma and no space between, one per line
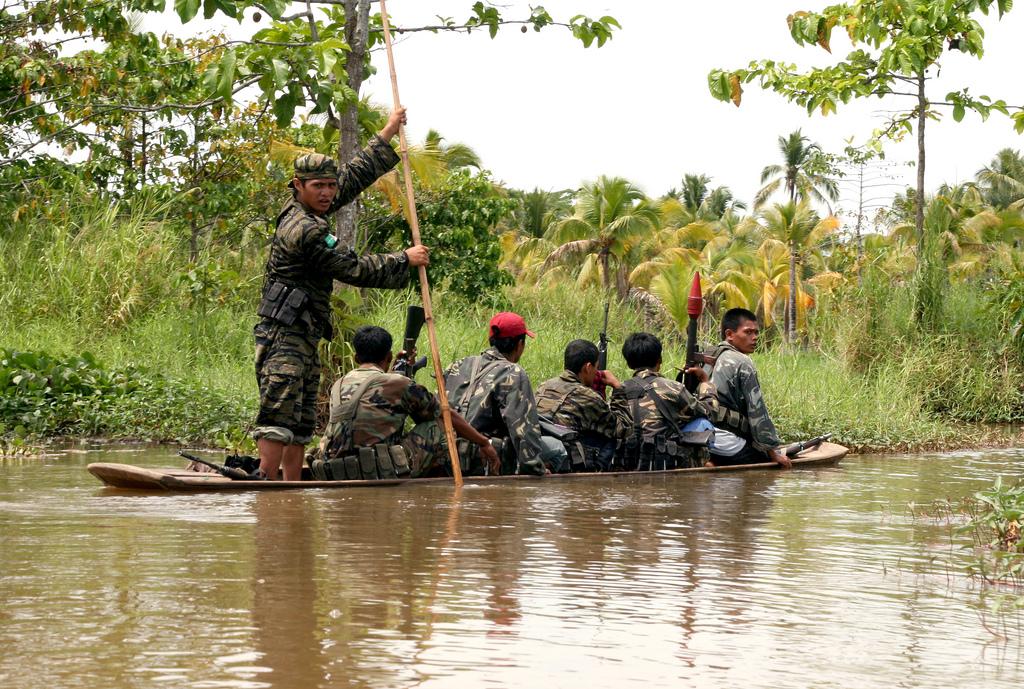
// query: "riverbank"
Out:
[178,375]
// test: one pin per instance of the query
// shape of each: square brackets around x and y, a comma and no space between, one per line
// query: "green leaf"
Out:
[958,111]
[226,80]
[280,71]
[284,110]
[186,9]
[275,8]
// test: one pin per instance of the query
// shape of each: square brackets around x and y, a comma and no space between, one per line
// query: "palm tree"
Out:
[1003,179]
[536,211]
[455,155]
[610,216]
[801,175]
[699,201]
[802,231]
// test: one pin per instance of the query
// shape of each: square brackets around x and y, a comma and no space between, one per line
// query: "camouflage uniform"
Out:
[652,441]
[567,401]
[380,417]
[499,405]
[304,259]
[735,379]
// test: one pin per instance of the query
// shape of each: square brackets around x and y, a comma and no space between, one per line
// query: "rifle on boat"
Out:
[415,317]
[794,449]
[231,472]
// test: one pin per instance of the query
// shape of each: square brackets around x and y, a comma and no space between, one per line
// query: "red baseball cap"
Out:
[508,324]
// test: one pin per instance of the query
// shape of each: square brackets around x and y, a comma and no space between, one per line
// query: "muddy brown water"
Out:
[767,579]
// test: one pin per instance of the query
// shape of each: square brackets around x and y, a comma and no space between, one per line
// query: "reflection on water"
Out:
[767,579]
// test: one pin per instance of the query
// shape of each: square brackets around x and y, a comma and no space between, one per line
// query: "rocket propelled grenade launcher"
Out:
[415,317]
[694,357]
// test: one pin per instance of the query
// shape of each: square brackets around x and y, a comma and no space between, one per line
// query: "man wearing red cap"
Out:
[493,393]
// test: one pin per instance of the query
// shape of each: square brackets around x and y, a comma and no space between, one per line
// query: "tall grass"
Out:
[115,283]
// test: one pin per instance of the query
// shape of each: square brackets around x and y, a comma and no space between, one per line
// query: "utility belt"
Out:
[365,463]
[289,305]
[684,451]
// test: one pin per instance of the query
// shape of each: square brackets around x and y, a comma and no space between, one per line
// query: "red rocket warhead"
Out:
[695,303]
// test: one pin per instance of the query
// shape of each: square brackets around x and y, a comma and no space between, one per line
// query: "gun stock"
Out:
[230,472]
[796,448]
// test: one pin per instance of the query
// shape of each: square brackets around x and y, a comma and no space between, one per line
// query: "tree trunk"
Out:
[357,29]
[922,108]
[791,302]
[193,240]
[145,157]
[127,145]
[860,223]
[605,277]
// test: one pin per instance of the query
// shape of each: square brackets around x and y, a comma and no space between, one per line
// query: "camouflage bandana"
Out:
[315,166]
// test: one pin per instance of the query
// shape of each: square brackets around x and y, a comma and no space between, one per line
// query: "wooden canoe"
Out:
[184,480]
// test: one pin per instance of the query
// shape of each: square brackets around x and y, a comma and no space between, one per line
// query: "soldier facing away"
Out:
[295,309]
[370,406]
[745,433]
[659,411]
[570,400]
[494,395]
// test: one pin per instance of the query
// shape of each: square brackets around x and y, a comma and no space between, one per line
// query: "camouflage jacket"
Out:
[500,403]
[735,379]
[380,413]
[302,255]
[651,423]
[567,401]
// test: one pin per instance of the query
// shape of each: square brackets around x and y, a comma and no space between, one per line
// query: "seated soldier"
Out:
[745,433]
[657,411]
[494,395]
[570,400]
[369,407]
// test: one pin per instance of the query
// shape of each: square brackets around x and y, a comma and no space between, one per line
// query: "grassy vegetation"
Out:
[176,339]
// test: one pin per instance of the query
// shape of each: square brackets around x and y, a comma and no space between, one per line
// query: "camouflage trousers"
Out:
[427,449]
[288,374]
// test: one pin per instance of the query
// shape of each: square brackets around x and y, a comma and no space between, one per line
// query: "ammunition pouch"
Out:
[284,304]
[366,464]
[671,452]
[731,420]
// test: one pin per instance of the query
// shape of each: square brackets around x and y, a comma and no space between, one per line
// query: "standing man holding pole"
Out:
[295,308]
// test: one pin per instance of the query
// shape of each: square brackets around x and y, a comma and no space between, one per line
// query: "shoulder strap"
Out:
[476,374]
[561,402]
[667,413]
[718,350]
[350,408]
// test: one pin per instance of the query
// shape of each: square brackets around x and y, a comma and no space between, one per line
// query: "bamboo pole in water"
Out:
[414,224]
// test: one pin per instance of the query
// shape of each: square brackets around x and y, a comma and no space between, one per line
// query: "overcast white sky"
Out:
[543,111]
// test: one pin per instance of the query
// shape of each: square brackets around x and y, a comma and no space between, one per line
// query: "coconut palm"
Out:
[801,175]
[536,211]
[610,217]
[802,231]
[1003,179]
[455,155]
[698,201]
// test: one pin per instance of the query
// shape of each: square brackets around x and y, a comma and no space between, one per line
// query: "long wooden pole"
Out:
[414,224]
